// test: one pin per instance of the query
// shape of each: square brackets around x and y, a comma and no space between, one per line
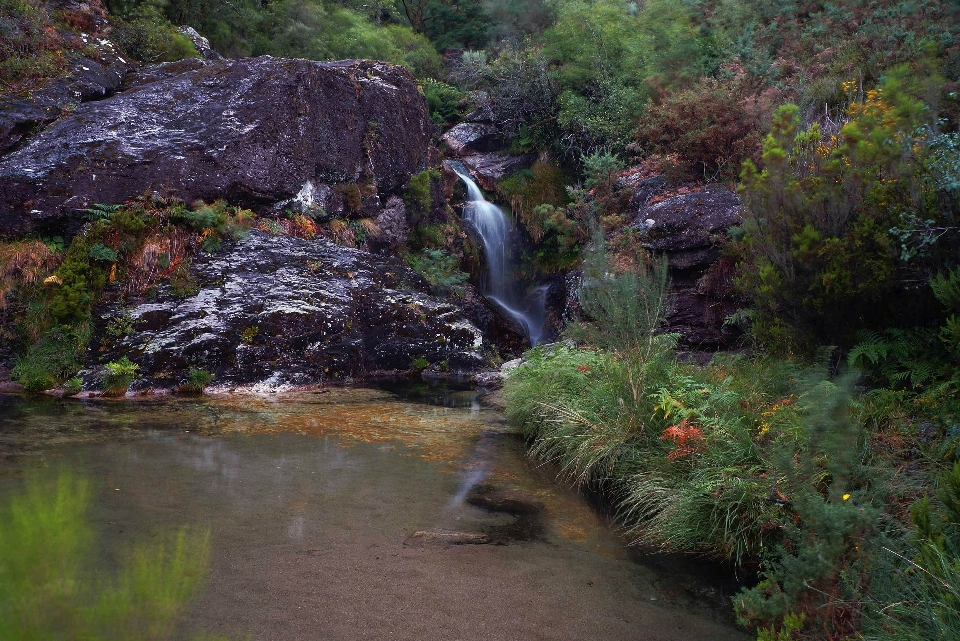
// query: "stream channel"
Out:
[330,515]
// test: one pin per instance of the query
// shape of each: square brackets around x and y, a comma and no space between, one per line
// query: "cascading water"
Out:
[494,229]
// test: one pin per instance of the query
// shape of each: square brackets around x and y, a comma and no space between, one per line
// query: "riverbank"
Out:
[315,502]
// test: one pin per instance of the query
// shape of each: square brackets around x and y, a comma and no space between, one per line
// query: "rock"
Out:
[254,131]
[645,190]
[393,225]
[91,78]
[446,537]
[489,169]
[688,229]
[201,44]
[276,312]
[473,137]
[488,381]
[496,499]
[689,222]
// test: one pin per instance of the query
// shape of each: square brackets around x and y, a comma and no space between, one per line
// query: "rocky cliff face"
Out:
[262,132]
[273,312]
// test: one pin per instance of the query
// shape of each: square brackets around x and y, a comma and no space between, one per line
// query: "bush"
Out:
[443,101]
[197,381]
[118,375]
[146,35]
[820,257]
[709,128]
[53,359]
[439,268]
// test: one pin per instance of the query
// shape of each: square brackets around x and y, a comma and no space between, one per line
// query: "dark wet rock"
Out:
[201,44]
[645,190]
[489,169]
[473,137]
[393,225]
[274,312]
[94,77]
[689,229]
[690,221]
[445,537]
[254,131]
[498,327]
[496,499]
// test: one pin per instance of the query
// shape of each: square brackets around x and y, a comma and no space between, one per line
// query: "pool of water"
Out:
[333,516]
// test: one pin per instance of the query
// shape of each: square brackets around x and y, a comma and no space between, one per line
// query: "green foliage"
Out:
[118,375]
[73,386]
[50,587]
[313,29]
[419,364]
[418,198]
[146,35]
[54,358]
[710,127]
[439,268]
[818,259]
[818,569]
[197,381]
[526,190]
[443,101]
[625,309]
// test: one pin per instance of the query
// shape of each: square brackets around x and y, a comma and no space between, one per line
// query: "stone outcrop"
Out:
[473,137]
[489,169]
[93,77]
[689,229]
[258,132]
[274,312]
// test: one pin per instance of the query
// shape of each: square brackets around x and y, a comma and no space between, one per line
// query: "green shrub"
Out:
[30,47]
[439,268]
[73,386]
[819,258]
[53,359]
[118,375]
[443,101]
[147,36]
[418,198]
[419,364]
[197,381]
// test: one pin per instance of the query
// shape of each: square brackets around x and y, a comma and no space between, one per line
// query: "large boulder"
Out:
[473,137]
[256,131]
[689,229]
[272,312]
[490,169]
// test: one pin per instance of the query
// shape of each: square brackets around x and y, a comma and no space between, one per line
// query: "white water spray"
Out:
[494,228]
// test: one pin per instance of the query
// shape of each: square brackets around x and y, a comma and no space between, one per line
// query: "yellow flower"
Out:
[846,496]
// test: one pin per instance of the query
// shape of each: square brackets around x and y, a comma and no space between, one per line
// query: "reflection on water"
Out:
[311,498]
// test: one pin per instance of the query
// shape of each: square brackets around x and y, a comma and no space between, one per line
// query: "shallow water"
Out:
[312,501]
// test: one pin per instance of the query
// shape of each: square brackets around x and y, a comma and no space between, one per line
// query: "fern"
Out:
[100,211]
[900,357]
[947,289]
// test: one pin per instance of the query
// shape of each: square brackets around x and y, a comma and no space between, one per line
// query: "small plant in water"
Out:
[73,386]
[419,364]
[197,381]
[118,376]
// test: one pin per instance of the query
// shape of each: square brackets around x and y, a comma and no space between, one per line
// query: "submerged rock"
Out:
[255,131]
[445,537]
[275,312]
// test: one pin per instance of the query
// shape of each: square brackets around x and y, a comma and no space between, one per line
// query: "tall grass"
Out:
[50,590]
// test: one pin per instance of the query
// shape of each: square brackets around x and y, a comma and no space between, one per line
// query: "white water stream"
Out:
[494,229]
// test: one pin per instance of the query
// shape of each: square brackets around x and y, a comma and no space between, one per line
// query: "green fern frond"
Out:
[947,289]
[99,211]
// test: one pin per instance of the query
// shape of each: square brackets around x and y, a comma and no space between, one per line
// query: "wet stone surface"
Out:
[274,312]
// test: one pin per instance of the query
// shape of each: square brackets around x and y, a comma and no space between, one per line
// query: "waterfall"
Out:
[494,229]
